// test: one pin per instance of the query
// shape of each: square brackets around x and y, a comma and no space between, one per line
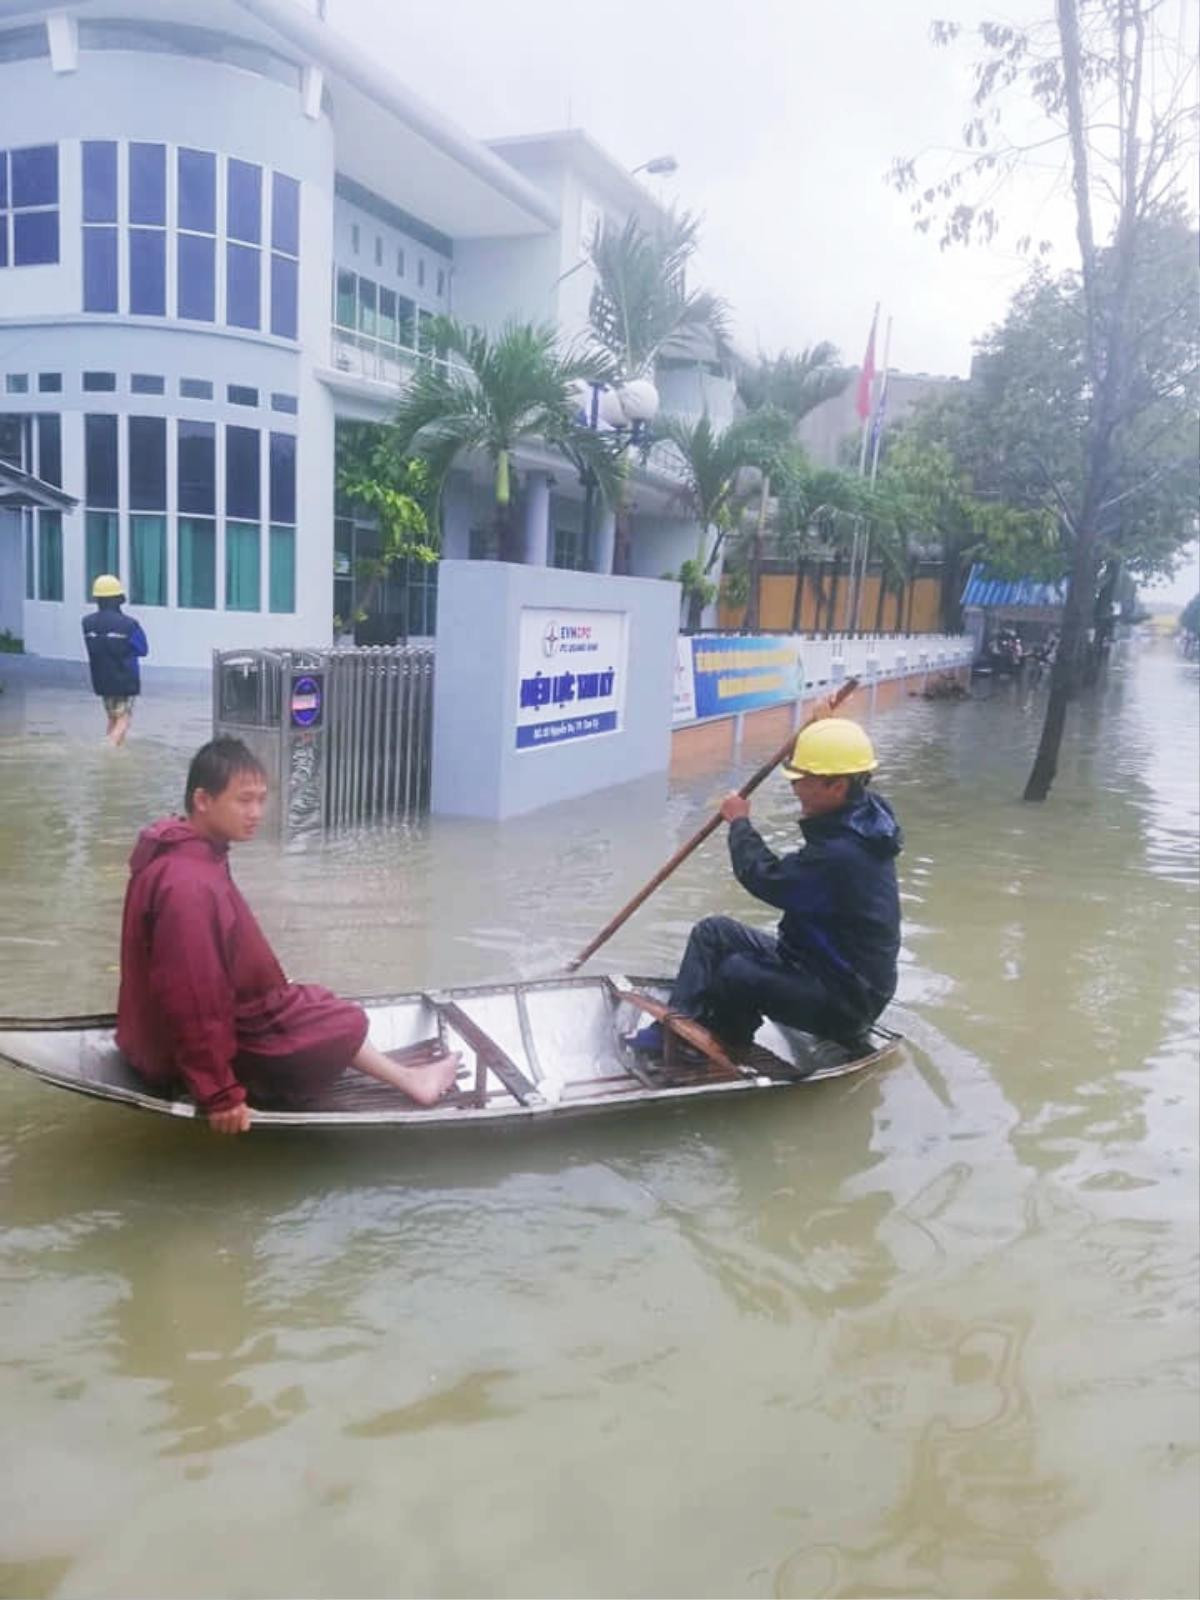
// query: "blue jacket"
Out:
[838,895]
[114,643]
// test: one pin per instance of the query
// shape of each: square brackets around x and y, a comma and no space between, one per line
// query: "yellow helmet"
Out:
[106,587]
[832,747]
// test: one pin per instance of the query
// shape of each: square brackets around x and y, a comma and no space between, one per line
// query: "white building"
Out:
[223,229]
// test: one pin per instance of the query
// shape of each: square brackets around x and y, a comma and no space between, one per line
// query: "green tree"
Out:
[374,475]
[781,390]
[641,310]
[713,462]
[1112,86]
[491,395]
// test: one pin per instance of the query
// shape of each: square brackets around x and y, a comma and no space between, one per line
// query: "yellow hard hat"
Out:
[106,587]
[832,747]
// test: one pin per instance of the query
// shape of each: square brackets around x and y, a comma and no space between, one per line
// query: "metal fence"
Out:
[345,733]
[379,733]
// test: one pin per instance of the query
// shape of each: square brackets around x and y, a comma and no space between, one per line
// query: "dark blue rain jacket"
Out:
[838,895]
[114,643]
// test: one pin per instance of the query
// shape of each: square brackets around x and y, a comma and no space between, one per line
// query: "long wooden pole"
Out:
[698,838]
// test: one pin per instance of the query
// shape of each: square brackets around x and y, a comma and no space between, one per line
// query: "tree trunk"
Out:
[833,589]
[798,597]
[695,612]
[754,599]
[1064,678]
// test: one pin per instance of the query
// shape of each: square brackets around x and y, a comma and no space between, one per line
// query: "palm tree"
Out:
[817,513]
[713,463]
[641,308]
[786,386]
[495,395]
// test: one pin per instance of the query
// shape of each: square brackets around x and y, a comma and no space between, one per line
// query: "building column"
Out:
[603,538]
[537,519]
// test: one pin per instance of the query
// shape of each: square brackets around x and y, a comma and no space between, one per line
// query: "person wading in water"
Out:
[831,967]
[203,1002]
[115,643]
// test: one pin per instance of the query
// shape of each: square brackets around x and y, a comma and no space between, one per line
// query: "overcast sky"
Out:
[784,116]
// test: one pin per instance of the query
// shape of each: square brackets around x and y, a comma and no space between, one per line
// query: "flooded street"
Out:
[928,1332]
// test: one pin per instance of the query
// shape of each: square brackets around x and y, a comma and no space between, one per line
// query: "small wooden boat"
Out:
[533,1051]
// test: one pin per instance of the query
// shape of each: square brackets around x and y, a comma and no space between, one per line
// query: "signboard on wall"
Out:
[683,704]
[571,672]
[744,673]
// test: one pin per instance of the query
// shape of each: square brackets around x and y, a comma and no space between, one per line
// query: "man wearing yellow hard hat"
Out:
[115,644]
[830,968]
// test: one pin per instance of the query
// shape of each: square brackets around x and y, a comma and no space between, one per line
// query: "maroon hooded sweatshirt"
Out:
[204,1004]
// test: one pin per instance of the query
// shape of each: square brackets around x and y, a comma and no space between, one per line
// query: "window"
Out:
[345,299]
[29,205]
[285,297]
[30,560]
[238,394]
[243,474]
[148,272]
[285,214]
[196,277]
[282,581]
[243,211]
[16,383]
[196,264]
[49,382]
[49,435]
[285,252]
[148,560]
[367,298]
[399,263]
[102,546]
[50,555]
[570,550]
[242,567]
[483,544]
[387,315]
[197,585]
[354,237]
[243,286]
[406,322]
[285,402]
[147,383]
[197,461]
[148,463]
[197,175]
[100,180]
[100,382]
[195,388]
[282,477]
[441,283]
[148,184]
[425,322]
[378,251]
[100,461]
[420,272]
[35,244]
[100,275]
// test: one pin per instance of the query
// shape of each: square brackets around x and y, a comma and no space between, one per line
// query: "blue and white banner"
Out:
[745,672]
[571,671]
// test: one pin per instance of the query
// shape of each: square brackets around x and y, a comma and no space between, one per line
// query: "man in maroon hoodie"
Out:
[203,1002]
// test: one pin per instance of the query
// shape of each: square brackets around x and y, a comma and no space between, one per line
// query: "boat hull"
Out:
[547,1050]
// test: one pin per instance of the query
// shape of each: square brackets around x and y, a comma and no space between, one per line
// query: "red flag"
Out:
[866,378]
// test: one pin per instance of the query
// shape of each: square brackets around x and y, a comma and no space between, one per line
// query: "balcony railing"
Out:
[364,356]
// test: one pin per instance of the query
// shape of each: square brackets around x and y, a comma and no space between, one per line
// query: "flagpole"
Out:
[866,382]
[861,584]
[887,346]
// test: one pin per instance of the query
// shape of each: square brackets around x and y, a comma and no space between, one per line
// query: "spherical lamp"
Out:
[639,400]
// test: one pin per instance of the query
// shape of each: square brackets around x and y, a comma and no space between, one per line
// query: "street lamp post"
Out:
[660,166]
[625,411]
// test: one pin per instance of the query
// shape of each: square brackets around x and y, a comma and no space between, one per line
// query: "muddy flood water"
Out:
[927,1332]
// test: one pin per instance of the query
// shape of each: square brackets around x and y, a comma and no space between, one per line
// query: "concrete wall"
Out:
[477,769]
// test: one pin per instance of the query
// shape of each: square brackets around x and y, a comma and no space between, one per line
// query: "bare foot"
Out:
[430,1083]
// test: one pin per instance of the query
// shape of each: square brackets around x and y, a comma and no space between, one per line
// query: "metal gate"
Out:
[345,734]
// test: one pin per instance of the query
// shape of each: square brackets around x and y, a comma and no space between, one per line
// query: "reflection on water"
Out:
[931,1332]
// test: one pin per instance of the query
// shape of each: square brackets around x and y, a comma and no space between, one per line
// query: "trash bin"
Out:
[274,700]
